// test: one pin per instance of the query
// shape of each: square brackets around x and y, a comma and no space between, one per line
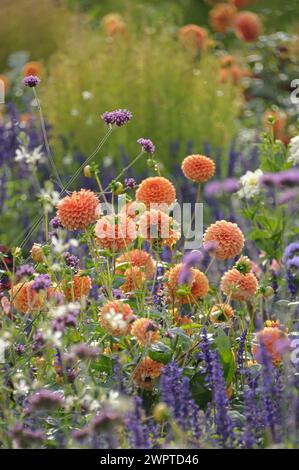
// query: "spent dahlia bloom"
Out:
[118,118]
[228,239]
[156,190]
[239,286]
[195,287]
[248,26]
[37,253]
[221,313]
[146,372]
[222,17]
[147,145]
[77,288]
[78,210]
[115,232]
[135,279]
[25,299]
[137,258]
[193,36]
[157,226]
[116,317]
[198,168]
[31,81]
[275,343]
[145,331]
[250,184]
[294,150]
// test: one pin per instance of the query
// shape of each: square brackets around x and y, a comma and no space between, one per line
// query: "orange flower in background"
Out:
[6,82]
[228,239]
[145,331]
[274,340]
[77,288]
[197,285]
[222,17]
[113,24]
[156,190]
[239,286]
[198,168]
[115,232]
[137,258]
[133,209]
[26,300]
[79,210]
[146,372]
[279,125]
[193,36]
[32,68]
[221,312]
[241,3]
[181,320]
[157,226]
[116,317]
[248,26]
[135,278]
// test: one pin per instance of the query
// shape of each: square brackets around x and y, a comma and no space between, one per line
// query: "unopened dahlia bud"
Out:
[161,412]
[87,171]
[37,253]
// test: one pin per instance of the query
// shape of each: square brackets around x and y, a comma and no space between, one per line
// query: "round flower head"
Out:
[137,258]
[228,239]
[146,372]
[221,313]
[275,343]
[158,227]
[37,253]
[113,24]
[239,286]
[79,210]
[156,190]
[27,300]
[31,81]
[133,208]
[115,232]
[194,287]
[198,168]
[32,68]
[247,26]
[193,36]
[135,278]
[222,17]
[116,317]
[77,288]
[147,145]
[118,118]
[145,331]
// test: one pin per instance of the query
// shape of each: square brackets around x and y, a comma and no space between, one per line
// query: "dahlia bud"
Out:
[87,171]
[161,412]
[268,292]
[117,187]
[37,253]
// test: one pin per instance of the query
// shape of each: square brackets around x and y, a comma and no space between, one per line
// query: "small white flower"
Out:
[49,198]
[115,319]
[250,184]
[294,150]
[86,95]
[30,158]
[75,112]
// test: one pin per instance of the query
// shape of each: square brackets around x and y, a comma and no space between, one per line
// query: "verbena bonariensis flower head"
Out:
[147,145]
[41,282]
[229,239]
[291,250]
[119,117]
[46,400]
[31,81]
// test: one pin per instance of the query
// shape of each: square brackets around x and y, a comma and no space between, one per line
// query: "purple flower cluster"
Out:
[118,118]
[55,222]
[137,430]
[147,145]
[291,260]
[31,81]
[130,183]
[46,400]
[41,282]
[25,271]
[72,261]
[218,188]
[283,178]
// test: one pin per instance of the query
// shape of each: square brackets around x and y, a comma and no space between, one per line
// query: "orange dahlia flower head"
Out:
[275,343]
[221,313]
[25,299]
[77,288]
[6,83]
[135,279]
[115,232]
[116,317]
[146,373]
[196,287]
[133,209]
[156,190]
[145,331]
[137,258]
[156,226]
[248,26]
[239,286]
[198,168]
[193,36]
[222,17]
[227,237]
[78,210]
[32,68]
[113,24]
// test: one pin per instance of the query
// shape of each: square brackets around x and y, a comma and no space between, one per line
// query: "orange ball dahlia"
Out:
[156,190]
[146,372]
[25,299]
[222,17]
[248,26]
[137,258]
[77,288]
[78,210]
[196,287]
[221,312]
[275,342]
[157,226]
[228,239]
[116,317]
[198,168]
[239,286]
[145,331]
[115,232]
[135,278]
[32,68]
[114,24]
[193,36]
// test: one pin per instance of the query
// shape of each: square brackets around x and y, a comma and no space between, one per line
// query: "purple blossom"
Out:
[137,430]
[147,145]
[287,196]
[72,261]
[25,437]
[31,81]
[55,222]
[41,282]
[241,350]
[25,270]
[83,351]
[46,400]
[119,117]
[291,250]
[130,183]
